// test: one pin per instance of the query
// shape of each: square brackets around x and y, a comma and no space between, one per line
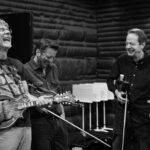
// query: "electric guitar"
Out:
[18,106]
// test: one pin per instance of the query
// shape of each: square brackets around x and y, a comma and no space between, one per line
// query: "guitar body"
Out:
[14,112]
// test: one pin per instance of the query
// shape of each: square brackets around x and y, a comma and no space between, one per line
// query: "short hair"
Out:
[142,38]
[43,43]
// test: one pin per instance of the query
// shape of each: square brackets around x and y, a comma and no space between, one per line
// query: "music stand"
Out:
[103,95]
[93,92]
[84,94]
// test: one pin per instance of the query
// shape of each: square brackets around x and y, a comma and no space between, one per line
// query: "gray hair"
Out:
[3,22]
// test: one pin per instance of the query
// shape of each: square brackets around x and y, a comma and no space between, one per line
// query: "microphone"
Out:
[123,85]
[121,77]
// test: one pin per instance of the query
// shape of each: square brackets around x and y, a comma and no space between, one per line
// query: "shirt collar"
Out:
[34,65]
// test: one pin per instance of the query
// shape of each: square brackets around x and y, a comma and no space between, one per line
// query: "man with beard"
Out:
[47,130]
[134,67]
[15,130]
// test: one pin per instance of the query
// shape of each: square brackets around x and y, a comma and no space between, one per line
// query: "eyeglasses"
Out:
[2,30]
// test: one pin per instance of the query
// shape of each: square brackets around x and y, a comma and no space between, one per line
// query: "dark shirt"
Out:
[47,81]
[43,82]
[138,76]
[11,77]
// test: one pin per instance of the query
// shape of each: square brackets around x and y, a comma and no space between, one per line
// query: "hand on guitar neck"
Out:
[41,101]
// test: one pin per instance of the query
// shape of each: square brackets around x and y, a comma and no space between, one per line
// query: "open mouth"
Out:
[131,51]
[6,39]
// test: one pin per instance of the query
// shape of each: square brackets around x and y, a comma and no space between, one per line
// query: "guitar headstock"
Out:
[65,98]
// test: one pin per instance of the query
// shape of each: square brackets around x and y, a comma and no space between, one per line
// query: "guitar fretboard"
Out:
[27,105]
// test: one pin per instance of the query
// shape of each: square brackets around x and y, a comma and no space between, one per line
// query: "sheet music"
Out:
[92,92]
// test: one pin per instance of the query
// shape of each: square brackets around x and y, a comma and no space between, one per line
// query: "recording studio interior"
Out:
[91,35]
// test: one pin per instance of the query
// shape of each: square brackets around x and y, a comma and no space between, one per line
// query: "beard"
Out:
[43,63]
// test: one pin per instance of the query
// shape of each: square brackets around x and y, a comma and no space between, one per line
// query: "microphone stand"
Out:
[125,88]
[124,120]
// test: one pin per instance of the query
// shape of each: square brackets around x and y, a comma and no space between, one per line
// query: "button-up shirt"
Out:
[44,82]
[138,76]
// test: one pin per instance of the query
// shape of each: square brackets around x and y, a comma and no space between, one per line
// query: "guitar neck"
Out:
[33,101]
[27,105]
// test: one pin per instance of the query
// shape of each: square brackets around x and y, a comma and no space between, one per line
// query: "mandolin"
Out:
[18,105]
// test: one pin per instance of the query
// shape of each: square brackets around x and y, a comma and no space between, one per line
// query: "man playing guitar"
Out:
[47,131]
[12,87]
